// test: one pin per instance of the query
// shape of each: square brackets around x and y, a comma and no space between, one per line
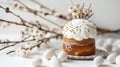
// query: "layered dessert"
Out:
[79,37]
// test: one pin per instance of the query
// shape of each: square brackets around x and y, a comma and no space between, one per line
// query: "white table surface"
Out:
[15,61]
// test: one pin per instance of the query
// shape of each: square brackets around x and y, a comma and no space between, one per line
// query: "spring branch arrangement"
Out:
[34,33]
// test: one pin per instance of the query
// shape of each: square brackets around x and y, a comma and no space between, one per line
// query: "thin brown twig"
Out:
[17,41]
[49,31]
[10,52]
[14,43]
[38,23]
[61,16]
[9,11]
[12,22]
[103,31]
[42,6]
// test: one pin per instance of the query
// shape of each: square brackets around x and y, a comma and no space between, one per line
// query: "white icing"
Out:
[79,29]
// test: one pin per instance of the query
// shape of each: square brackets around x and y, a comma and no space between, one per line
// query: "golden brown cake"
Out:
[79,48]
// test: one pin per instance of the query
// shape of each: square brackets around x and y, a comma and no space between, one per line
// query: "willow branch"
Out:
[38,43]
[103,31]
[12,22]
[10,52]
[14,43]
[17,41]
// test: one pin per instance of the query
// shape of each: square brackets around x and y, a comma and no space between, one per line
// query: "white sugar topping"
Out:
[79,29]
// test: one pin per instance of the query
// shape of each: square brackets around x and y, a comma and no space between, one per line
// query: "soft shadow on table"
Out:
[105,65]
[40,66]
